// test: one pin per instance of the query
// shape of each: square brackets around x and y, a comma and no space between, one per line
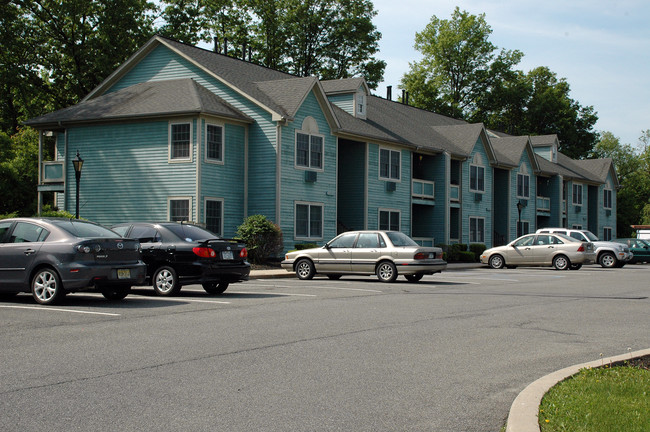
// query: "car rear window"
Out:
[400,239]
[191,232]
[83,229]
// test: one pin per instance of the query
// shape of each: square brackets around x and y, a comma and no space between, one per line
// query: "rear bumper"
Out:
[76,277]
[415,267]
[202,273]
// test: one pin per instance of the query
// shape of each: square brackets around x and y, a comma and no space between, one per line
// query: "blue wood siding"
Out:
[529,211]
[162,64]
[343,101]
[378,195]
[126,174]
[225,181]
[294,188]
[477,205]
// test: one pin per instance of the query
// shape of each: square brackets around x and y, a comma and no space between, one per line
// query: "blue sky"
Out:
[601,47]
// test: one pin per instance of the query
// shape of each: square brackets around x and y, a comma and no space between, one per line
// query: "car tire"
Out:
[165,281]
[386,271]
[607,260]
[305,269]
[414,277]
[215,287]
[334,276]
[116,293]
[575,267]
[496,262]
[47,288]
[561,262]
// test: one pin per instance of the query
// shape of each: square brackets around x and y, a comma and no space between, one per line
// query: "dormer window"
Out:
[361,104]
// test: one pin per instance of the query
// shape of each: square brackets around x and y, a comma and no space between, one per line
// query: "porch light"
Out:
[78,164]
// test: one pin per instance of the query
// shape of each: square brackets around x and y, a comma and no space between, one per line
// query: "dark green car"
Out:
[639,247]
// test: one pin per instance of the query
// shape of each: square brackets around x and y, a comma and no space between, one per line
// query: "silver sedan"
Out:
[557,250]
[384,253]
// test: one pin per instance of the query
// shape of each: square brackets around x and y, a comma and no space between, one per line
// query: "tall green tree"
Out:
[18,172]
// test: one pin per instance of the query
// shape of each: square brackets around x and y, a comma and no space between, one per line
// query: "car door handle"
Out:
[171,248]
[551,247]
[29,251]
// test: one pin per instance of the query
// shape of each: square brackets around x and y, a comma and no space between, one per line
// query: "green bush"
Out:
[8,215]
[263,238]
[49,211]
[303,246]
[466,256]
[454,250]
[477,249]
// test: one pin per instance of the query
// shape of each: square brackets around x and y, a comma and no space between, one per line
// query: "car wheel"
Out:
[414,277]
[334,276]
[305,269]
[561,262]
[215,287]
[116,293]
[165,282]
[46,287]
[386,271]
[575,267]
[496,262]
[607,260]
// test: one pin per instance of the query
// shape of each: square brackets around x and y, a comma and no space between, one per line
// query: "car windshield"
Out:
[400,239]
[568,238]
[83,229]
[191,233]
[590,235]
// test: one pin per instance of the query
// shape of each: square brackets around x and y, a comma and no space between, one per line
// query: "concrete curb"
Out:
[523,416]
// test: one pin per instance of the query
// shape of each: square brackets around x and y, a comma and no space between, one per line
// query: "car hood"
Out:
[610,245]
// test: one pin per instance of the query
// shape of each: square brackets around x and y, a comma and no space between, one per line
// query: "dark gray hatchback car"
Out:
[51,257]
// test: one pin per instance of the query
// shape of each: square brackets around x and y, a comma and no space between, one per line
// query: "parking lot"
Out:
[449,353]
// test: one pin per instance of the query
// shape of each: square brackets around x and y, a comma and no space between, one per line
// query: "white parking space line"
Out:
[51,309]
[348,289]
[271,292]
[184,299]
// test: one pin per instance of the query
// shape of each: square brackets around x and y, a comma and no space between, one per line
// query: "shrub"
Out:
[49,211]
[477,249]
[454,251]
[302,246]
[8,215]
[263,238]
[466,256]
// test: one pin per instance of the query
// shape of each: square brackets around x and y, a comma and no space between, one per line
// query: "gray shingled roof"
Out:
[509,150]
[148,99]
[288,93]
[599,168]
[345,85]
[543,140]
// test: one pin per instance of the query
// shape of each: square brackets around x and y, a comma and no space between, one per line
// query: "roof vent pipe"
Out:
[407,98]
[225,46]
[389,92]
[216,45]
[403,96]
[250,53]
[243,52]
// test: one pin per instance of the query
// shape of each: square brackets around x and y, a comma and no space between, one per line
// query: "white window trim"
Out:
[470,229]
[611,199]
[364,103]
[179,198]
[223,210]
[389,210]
[574,195]
[322,219]
[295,152]
[223,144]
[517,186]
[169,143]
[390,150]
[470,178]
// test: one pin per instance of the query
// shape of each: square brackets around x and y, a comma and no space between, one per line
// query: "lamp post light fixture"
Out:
[77,163]
[520,206]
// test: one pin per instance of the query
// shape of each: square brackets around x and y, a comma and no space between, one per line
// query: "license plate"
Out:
[124,273]
[227,255]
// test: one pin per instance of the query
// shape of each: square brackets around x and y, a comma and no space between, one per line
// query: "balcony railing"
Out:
[52,172]
[423,189]
[425,241]
[543,203]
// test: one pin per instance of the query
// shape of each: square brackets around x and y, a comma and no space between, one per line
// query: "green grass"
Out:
[608,399]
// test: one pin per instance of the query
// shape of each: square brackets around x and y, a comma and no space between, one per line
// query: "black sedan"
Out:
[180,254]
[53,256]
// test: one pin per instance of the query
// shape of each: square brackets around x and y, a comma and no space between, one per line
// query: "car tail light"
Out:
[581,248]
[204,252]
[423,255]
[243,253]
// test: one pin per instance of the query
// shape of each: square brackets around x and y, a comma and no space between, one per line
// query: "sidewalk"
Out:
[281,273]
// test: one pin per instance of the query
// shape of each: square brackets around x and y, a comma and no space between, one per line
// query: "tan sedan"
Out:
[557,250]
[384,253]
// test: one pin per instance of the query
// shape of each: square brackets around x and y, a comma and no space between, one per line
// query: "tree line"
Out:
[53,53]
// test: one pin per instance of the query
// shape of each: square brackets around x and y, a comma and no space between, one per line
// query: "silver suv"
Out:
[608,254]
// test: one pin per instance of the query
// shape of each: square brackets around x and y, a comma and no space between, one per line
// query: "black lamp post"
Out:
[78,163]
[520,206]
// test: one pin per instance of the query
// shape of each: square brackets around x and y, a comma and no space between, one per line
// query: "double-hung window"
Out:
[476,230]
[607,199]
[607,234]
[389,164]
[214,143]
[179,209]
[309,221]
[523,186]
[179,141]
[389,220]
[476,178]
[309,151]
[523,227]
[577,194]
[214,216]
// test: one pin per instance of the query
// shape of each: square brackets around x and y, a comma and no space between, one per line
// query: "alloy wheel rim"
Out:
[164,281]
[45,286]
